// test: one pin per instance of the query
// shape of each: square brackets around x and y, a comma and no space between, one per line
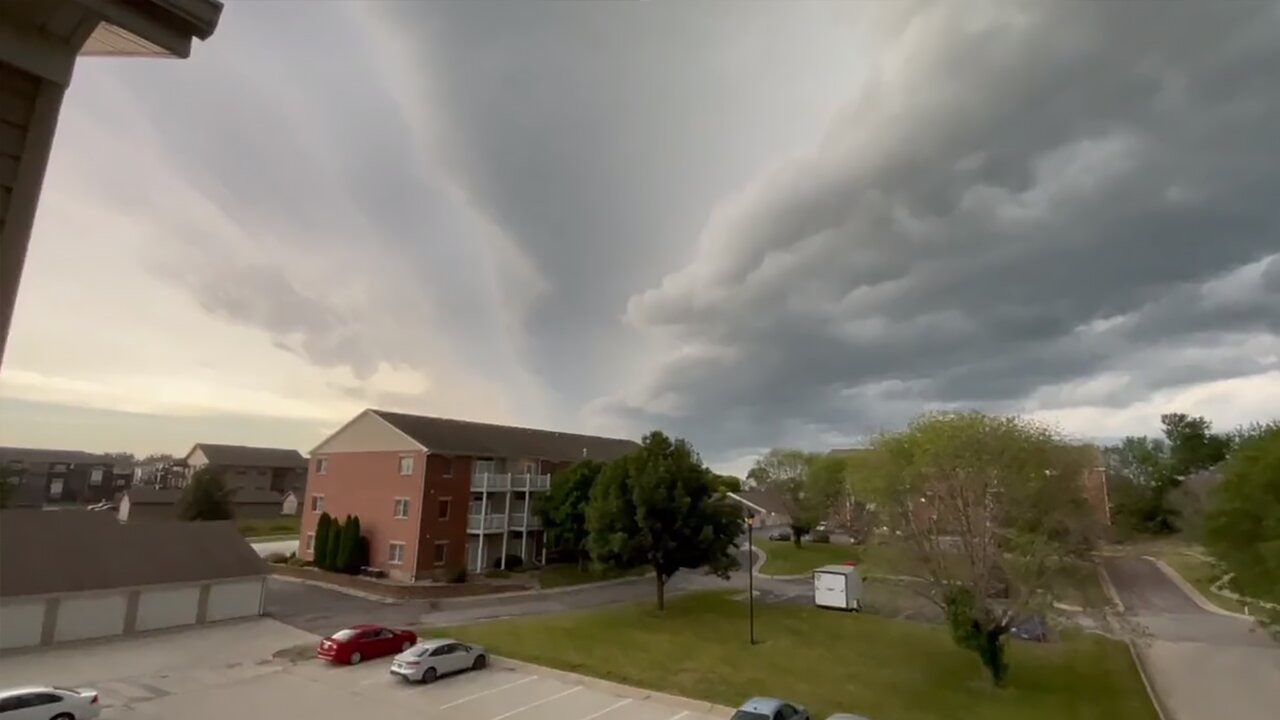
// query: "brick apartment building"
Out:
[434,494]
[39,477]
[279,470]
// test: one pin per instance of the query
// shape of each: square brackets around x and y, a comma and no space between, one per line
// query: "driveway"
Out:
[227,670]
[1203,666]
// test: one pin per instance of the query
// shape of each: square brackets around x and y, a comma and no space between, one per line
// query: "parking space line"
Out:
[573,689]
[490,690]
[679,715]
[611,707]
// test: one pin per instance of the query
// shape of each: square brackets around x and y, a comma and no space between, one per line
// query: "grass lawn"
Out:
[824,660]
[267,527]
[782,558]
[1077,583]
[1202,575]
[555,576]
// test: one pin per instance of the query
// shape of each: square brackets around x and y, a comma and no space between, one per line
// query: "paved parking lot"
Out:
[227,671]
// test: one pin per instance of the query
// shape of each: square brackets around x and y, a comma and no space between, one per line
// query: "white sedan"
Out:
[430,659]
[49,703]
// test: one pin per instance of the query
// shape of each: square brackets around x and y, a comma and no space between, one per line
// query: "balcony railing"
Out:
[518,522]
[492,523]
[501,482]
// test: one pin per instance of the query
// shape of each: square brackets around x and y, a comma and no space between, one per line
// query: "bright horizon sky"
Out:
[772,225]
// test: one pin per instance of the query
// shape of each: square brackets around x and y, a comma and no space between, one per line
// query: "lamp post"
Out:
[751,585]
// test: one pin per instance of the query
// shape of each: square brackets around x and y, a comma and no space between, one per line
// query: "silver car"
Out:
[430,659]
[45,702]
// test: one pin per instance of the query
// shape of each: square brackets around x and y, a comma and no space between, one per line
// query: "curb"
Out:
[1146,681]
[446,602]
[627,691]
[1108,587]
[1191,592]
[339,588]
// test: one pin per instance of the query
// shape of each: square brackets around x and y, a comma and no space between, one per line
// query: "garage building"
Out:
[75,575]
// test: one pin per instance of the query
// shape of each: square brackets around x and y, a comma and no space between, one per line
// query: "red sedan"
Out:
[363,642]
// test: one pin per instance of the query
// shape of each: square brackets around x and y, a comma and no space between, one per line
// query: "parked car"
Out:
[49,703]
[782,535]
[767,708]
[430,659]
[364,642]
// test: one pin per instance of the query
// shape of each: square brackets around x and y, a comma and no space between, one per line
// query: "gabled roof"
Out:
[464,437]
[763,501]
[81,551]
[146,495]
[246,456]
[51,455]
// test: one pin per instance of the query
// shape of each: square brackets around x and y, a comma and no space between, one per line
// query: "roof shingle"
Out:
[81,551]
[246,456]
[464,437]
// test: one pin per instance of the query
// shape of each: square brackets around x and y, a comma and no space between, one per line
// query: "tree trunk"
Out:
[795,537]
[662,590]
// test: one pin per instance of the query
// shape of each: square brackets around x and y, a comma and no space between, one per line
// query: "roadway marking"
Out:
[490,690]
[611,707]
[679,715]
[573,689]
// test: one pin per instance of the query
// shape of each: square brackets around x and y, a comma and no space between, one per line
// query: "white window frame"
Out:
[391,553]
[58,467]
[488,462]
[59,484]
[95,476]
[448,508]
[435,558]
[322,466]
[317,508]
[406,471]
[311,543]
[395,508]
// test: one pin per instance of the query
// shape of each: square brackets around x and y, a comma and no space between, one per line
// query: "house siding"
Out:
[365,484]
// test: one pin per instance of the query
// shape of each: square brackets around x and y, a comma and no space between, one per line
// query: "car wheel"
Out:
[429,675]
[480,662]
[405,645]
[64,716]
[354,659]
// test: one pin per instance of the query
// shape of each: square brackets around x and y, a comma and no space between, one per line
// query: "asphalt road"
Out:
[1202,665]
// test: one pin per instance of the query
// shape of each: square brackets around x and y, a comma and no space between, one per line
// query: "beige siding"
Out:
[367,433]
[197,459]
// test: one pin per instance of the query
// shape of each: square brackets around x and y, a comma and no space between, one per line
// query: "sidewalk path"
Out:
[1203,666]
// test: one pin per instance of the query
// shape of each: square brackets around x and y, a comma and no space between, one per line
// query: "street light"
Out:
[751,586]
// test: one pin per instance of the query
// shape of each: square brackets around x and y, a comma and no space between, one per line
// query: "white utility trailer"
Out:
[838,587]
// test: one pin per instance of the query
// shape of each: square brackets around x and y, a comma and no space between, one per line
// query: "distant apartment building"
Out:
[160,474]
[38,476]
[278,470]
[434,495]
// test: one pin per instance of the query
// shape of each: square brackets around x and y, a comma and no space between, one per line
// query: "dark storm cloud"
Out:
[1010,175]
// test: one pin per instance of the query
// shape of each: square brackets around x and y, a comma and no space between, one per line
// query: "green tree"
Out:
[335,545]
[982,500]
[1242,527]
[320,551]
[564,509]
[349,547]
[1140,481]
[1193,445]
[786,473]
[729,483]
[205,497]
[659,506]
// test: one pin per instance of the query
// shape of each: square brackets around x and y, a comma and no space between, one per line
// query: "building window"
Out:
[311,542]
[484,467]
[397,553]
[59,467]
[406,464]
[322,466]
[442,508]
[95,476]
[442,550]
[402,508]
[120,480]
[55,488]
[317,503]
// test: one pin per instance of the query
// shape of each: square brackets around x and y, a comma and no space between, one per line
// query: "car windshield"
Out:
[420,650]
[749,715]
[344,635]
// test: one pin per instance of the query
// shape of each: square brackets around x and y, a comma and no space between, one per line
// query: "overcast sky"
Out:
[748,224]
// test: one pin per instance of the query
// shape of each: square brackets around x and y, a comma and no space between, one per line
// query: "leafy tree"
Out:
[660,507]
[1242,527]
[205,497]
[1192,444]
[335,545]
[729,483]
[320,552]
[786,472]
[1140,480]
[564,509]
[983,501]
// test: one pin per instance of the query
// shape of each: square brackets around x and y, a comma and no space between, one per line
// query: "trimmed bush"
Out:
[514,562]
[335,541]
[321,549]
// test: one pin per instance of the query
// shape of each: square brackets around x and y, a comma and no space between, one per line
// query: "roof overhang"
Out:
[150,28]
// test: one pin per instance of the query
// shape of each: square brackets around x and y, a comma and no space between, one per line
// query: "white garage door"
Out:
[238,598]
[90,617]
[21,623]
[167,607]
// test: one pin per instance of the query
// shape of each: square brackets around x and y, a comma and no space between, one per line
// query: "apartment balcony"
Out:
[518,522]
[502,482]
[486,524]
